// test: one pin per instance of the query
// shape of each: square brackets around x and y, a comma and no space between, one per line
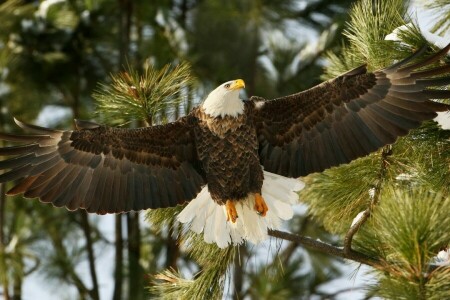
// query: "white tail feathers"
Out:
[203,214]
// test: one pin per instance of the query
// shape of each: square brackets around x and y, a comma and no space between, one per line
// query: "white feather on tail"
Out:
[203,214]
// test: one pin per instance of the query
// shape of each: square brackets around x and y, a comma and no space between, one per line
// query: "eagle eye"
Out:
[227,85]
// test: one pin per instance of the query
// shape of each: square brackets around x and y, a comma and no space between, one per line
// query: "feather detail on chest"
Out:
[220,126]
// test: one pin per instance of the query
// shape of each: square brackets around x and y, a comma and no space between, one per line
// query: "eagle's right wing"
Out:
[103,169]
[349,116]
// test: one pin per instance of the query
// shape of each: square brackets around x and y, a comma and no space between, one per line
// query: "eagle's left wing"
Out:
[349,116]
[103,169]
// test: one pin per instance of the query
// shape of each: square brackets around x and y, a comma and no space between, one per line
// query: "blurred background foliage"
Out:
[56,61]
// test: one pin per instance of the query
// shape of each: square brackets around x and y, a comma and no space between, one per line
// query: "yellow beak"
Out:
[237,84]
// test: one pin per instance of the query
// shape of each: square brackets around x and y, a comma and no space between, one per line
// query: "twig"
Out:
[354,229]
[327,248]
[387,151]
[324,295]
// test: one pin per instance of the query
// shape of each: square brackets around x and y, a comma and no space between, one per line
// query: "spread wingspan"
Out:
[349,116]
[104,169]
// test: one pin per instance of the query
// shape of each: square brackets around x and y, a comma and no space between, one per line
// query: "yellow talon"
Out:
[260,205]
[231,211]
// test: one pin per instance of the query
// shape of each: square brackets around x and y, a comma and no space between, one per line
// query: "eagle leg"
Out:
[231,211]
[260,205]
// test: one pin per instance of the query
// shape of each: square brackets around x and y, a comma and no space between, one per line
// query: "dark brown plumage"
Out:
[230,157]
[103,169]
[349,116]
[109,170]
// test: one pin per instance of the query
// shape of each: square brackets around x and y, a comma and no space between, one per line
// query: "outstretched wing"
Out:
[349,116]
[103,169]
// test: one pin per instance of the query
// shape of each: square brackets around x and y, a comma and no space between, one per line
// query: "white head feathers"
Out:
[224,100]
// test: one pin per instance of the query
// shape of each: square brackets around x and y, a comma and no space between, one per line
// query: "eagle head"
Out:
[224,100]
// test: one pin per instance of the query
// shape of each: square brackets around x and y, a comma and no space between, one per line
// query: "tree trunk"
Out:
[3,242]
[172,250]
[125,18]
[238,277]
[86,227]
[3,264]
[90,249]
[118,269]
[135,272]
[18,279]
[136,277]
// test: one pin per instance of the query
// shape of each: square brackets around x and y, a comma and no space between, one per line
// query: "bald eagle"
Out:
[233,160]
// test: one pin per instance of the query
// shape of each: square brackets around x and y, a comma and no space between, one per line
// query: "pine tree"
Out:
[402,189]
[35,46]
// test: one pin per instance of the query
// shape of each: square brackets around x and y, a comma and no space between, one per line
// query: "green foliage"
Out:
[208,283]
[409,220]
[414,226]
[290,276]
[339,194]
[148,97]
[429,146]
[438,286]
[255,42]
[61,15]
[410,223]
[277,282]
[213,261]
[162,217]
[340,62]
[38,46]
[441,8]
[235,54]
[45,61]
[11,12]
[406,231]
[370,21]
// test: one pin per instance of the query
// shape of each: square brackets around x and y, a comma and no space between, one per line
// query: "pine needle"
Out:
[370,21]
[208,283]
[150,97]
[441,9]
[337,195]
[408,229]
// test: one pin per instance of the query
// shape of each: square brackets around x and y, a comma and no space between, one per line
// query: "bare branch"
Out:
[328,249]
[387,151]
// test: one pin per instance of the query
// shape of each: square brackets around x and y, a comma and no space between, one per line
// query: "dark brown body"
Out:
[228,147]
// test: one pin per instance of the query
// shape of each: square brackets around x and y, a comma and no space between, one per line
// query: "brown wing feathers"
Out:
[102,169]
[349,116]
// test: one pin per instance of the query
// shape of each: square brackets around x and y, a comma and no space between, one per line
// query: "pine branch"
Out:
[150,96]
[370,21]
[328,249]
[208,283]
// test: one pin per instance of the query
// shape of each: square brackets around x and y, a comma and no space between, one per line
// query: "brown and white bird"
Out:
[233,160]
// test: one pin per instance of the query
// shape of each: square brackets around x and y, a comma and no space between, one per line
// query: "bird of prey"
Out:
[235,161]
